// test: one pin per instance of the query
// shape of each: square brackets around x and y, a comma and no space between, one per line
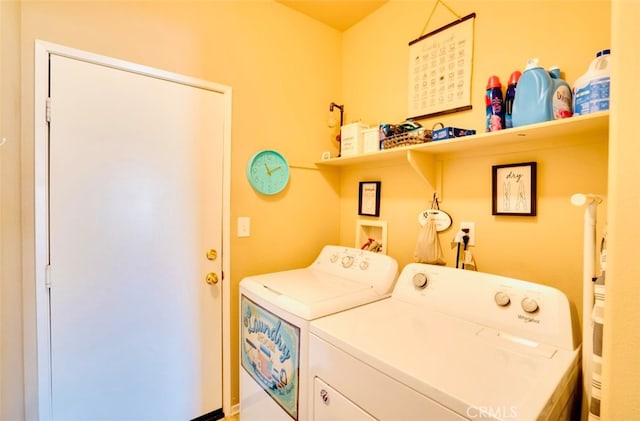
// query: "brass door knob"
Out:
[212,278]
[212,254]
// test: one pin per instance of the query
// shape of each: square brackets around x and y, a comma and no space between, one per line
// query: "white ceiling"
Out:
[339,14]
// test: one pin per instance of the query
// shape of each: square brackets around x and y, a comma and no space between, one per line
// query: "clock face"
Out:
[268,172]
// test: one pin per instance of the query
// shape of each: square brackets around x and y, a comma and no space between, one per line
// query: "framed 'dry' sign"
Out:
[369,198]
[513,189]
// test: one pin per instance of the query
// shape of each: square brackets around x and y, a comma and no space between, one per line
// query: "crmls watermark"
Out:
[500,412]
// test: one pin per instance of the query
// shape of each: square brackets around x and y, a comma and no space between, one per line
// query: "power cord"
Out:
[461,237]
[465,241]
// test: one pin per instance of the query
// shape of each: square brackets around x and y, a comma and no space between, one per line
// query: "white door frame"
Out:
[37,361]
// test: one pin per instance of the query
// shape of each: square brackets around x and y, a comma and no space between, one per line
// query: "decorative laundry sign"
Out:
[513,189]
[440,70]
[270,353]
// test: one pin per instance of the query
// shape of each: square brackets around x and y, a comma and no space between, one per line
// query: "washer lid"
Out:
[450,360]
[309,293]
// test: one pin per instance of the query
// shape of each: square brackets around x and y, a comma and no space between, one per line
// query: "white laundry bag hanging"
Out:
[428,248]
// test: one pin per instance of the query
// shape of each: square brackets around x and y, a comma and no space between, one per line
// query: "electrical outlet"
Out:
[471,226]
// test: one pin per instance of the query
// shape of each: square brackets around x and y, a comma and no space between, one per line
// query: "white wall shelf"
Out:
[427,158]
[486,143]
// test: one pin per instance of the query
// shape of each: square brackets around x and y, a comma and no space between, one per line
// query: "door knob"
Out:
[212,278]
[212,254]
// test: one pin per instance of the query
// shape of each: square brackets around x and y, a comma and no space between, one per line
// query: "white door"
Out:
[135,203]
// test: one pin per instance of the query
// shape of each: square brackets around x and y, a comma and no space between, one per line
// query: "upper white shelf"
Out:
[531,137]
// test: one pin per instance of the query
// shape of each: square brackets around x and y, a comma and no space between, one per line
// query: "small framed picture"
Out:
[514,189]
[369,198]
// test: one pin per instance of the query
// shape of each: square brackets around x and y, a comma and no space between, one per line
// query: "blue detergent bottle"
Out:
[533,102]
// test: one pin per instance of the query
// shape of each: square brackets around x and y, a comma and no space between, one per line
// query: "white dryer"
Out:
[448,344]
[275,311]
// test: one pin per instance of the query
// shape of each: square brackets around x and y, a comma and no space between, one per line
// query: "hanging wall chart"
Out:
[440,67]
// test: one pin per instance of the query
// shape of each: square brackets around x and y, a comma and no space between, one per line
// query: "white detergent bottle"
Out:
[591,90]
[561,98]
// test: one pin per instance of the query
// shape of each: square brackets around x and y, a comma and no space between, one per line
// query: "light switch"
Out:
[244,226]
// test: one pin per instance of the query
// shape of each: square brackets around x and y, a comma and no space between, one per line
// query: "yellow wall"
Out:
[621,388]
[11,405]
[546,248]
[285,69]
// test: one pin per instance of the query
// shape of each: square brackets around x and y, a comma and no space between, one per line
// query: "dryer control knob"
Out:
[502,299]
[364,265]
[347,261]
[420,280]
[333,258]
[529,305]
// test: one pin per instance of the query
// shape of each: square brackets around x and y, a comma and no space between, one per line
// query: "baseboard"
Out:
[218,414]
[235,409]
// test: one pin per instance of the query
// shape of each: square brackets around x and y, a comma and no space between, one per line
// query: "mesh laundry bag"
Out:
[428,248]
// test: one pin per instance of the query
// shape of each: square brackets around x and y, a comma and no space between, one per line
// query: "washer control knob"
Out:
[364,265]
[333,258]
[502,299]
[347,261]
[529,305]
[420,280]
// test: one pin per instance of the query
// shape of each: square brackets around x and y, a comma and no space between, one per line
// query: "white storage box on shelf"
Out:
[371,140]
[352,139]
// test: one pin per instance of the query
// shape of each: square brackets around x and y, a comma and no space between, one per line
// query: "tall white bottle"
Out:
[591,90]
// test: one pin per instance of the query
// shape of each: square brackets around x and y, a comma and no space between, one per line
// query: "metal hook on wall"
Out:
[434,202]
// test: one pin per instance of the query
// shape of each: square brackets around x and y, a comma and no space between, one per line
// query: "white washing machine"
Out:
[275,311]
[448,344]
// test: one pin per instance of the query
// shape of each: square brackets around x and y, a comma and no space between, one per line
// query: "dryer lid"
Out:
[450,360]
[309,293]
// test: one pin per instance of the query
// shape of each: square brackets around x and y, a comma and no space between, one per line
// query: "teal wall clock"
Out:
[268,172]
